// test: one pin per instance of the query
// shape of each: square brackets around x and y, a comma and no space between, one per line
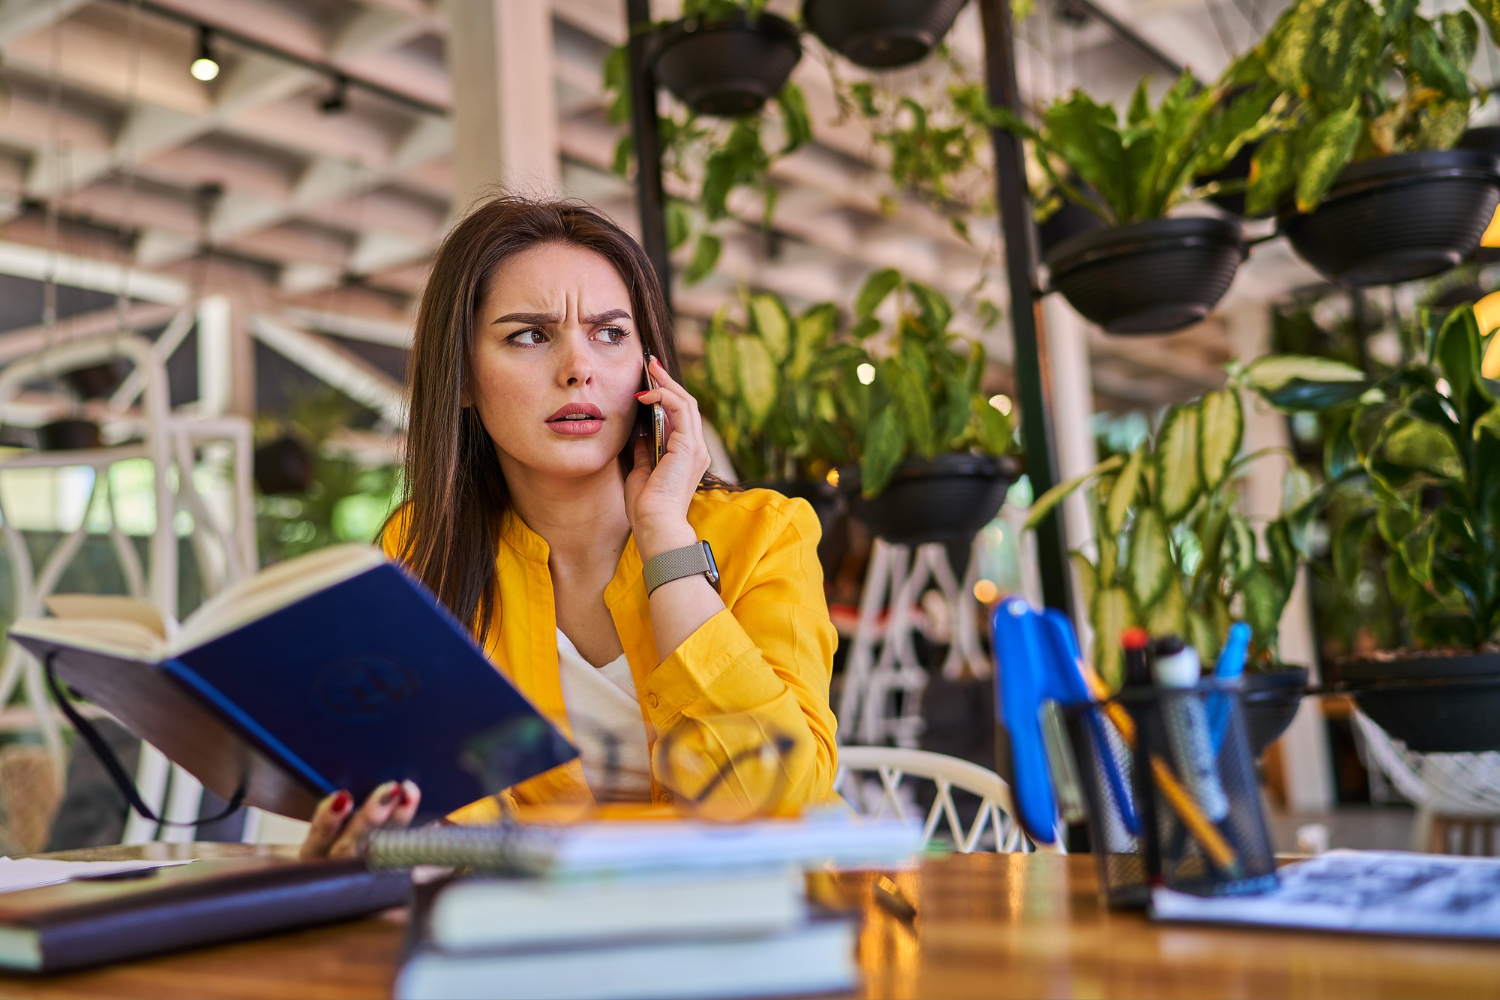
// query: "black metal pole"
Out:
[1030,361]
[644,129]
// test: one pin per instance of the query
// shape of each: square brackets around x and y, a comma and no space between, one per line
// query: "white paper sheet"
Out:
[1370,892]
[27,873]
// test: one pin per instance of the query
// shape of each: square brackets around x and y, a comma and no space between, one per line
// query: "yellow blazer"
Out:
[757,671]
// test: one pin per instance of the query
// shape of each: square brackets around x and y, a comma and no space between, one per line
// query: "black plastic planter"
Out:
[1432,702]
[68,434]
[1148,277]
[946,498]
[1270,701]
[726,68]
[1398,218]
[284,465]
[881,34]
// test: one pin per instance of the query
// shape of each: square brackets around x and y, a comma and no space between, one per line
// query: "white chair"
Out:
[887,796]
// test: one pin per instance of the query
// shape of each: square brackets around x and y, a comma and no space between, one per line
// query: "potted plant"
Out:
[1144,272]
[725,57]
[761,387]
[1368,186]
[880,34]
[1420,448]
[710,156]
[1174,554]
[919,438]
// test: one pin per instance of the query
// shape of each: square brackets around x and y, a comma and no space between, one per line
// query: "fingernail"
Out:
[341,801]
[408,793]
[641,393]
[389,795]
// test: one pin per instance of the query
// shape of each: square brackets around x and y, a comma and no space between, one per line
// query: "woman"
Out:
[533,511]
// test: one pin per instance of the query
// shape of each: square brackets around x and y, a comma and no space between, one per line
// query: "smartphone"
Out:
[653,419]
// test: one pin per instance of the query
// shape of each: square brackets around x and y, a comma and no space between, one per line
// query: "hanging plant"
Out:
[880,34]
[711,158]
[1361,169]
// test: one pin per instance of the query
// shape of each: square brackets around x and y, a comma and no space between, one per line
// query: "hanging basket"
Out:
[1434,702]
[68,434]
[726,68]
[284,465]
[946,498]
[881,34]
[1398,218]
[1270,700]
[1148,277]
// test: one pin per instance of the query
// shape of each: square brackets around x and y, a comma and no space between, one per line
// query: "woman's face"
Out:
[557,362]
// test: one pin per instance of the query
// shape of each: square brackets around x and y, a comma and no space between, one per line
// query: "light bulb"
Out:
[204,68]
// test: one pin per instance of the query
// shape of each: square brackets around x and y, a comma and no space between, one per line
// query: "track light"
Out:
[338,98]
[205,67]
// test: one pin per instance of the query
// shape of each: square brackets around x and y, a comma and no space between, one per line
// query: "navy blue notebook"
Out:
[337,670]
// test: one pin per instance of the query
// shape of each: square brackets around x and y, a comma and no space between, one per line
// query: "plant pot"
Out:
[1433,701]
[68,434]
[827,503]
[1072,219]
[726,68]
[1398,218]
[97,381]
[1148,277]
[1270,701]
[881,34]
[284,466]
[944,499]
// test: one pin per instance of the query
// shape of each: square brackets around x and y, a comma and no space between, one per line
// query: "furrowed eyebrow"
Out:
[544,319]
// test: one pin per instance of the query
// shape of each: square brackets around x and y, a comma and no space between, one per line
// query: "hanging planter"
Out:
[1434,702]
[945,498]
[1148,277]
[881,34]
[1270,700]
[1398,218]
[284,465]
[68,434]
[726,68]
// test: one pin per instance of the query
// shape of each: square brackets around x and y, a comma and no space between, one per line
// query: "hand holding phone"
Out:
[653,419]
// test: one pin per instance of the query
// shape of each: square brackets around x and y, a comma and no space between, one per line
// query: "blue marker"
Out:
[1230,667]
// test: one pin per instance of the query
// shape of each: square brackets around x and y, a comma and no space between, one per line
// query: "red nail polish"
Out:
[341,801]
[390,796]
[402,799]
[641,393]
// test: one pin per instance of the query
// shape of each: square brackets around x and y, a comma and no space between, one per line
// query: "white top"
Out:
[605,714]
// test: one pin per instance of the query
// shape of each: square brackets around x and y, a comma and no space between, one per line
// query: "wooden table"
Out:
[987,926]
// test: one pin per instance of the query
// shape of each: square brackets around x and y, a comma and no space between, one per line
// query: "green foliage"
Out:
[1420,451]
[1143,167]
[1173,552]
[1359,83]
[763,385]
[924,395]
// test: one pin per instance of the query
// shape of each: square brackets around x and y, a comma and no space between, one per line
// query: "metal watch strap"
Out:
[674,564]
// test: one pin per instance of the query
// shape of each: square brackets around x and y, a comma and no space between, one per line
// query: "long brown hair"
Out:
[454,492]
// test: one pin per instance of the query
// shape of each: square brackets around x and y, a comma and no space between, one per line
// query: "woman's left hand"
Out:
[657,500]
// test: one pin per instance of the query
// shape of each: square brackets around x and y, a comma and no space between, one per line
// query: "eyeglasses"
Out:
[698,775]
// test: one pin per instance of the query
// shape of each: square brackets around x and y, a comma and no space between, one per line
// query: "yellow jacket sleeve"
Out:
[752,677]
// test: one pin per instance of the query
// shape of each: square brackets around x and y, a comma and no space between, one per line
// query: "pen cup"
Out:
[1106,768]
[1203,831]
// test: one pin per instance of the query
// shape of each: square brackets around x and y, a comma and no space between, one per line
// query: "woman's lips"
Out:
[577,419]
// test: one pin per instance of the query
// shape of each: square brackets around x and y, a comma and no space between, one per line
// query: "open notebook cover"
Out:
[365,681]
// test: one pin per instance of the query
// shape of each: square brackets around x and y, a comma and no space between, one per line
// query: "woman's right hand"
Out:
[338,830]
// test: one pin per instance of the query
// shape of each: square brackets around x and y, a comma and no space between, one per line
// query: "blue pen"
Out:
[1229,667]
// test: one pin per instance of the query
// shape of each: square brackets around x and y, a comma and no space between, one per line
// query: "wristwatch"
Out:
[674,564]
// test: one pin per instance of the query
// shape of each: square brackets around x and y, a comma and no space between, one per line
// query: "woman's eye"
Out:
[526,338]
[615,334]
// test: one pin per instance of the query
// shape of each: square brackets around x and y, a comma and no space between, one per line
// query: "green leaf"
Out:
[1149,561]
[884,448]
[679,223]
[1042,505]
[1348,547]
[1297,490]
[705,256]
[1122,494]
[1460,33]
[1087,577]
[953,417]
[1087,137]
[1221,428]
[814,327]
[1168,616]
[719,357]
[912,403]
[1417,444]
[1276,370]
[1430,62]
[1489,13]
[1263,601]
[992,428]
[1273,169]
[1345,41]
[1283,562]
[794,119]
[1330,146]
[1139,112]
[1457,356]
[1206,635]
[1241,540]
[932,308]
[875,290]
[1177,481]
[757,377]
[1111,615]
[771,321]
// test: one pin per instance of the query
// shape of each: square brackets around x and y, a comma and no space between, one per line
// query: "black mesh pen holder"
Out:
[1105,769]
[1203,830]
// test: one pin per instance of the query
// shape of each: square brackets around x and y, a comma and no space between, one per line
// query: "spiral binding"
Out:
[506,848]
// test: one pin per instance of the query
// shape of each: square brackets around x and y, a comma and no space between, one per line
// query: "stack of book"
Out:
[633,910]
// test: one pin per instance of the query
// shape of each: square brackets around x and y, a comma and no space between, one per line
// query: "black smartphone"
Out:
[652,419]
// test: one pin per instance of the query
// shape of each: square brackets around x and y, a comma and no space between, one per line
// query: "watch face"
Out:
[713,568]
